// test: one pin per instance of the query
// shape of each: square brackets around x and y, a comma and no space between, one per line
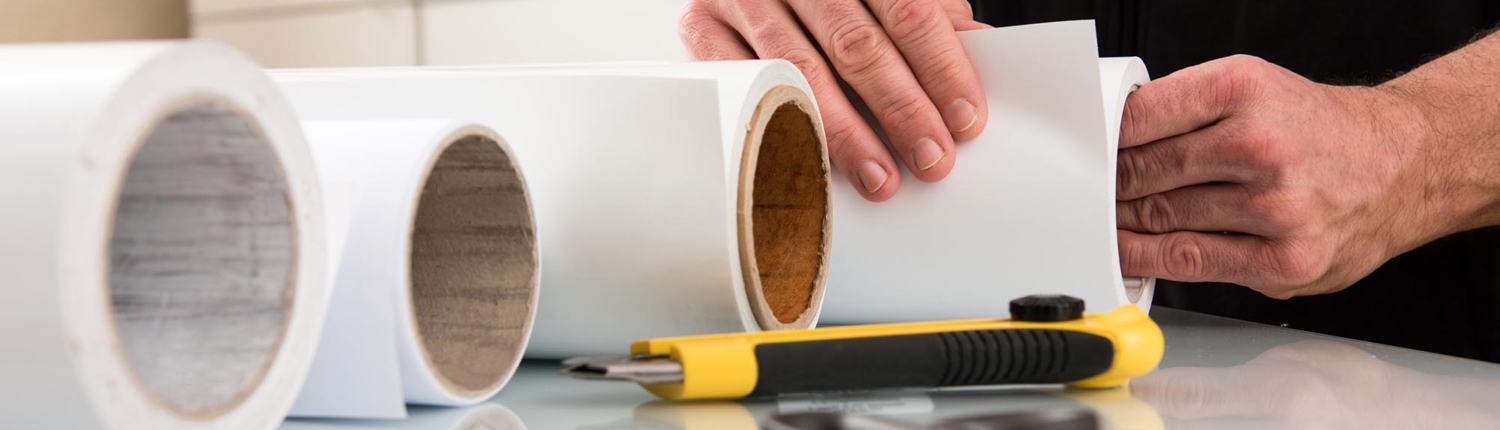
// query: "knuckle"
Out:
[1155,213]
[1129,177]
[696,17]
[1241,79]
[910,18]
[696,13]
[770,38]
[693,29]
[1132,122]
[1244,68]
[1280,212]
[858,48]
[1263,146]
[1133,255]
[809,62]
[1298,265]
[843,137]
[904,108]
[947,71]
[1245,62]
[1183,258]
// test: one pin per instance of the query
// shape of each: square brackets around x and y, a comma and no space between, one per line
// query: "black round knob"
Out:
[1046,308]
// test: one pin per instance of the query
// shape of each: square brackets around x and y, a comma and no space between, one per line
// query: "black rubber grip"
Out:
[980,357]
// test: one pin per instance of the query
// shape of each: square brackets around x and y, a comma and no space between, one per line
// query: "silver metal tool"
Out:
[643,369]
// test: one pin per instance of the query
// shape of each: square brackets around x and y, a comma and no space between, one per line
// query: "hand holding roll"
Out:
[902,59]
[1238,170]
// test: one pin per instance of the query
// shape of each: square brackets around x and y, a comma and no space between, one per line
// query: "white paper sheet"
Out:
[162,239]
[635,177]
[373,359]
[1029,209]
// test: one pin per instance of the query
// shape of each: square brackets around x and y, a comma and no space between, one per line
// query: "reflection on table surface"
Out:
[1217,373]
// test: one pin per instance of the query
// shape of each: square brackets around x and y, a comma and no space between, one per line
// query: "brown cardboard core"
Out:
[787,211]
[201,260]
[473,265]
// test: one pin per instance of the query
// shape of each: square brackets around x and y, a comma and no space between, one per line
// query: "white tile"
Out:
[548,31]
[355,34]
[212,6]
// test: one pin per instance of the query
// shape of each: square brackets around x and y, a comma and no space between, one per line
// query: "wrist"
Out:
[1443,190]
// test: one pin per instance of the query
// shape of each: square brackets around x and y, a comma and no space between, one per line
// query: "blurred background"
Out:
[319,33]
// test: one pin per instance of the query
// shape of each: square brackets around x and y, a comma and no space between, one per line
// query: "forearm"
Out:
[1455,111]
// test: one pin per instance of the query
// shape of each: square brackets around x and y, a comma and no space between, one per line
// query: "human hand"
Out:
[1241,171]
[902,57]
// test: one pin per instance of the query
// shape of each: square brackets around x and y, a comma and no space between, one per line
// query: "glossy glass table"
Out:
[1217,373]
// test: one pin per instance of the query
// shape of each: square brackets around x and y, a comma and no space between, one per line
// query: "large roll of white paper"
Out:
[670,200]
[436,287]
[162,239]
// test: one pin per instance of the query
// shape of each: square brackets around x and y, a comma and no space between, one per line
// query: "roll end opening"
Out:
[202,260]
[784,210]
[473,265]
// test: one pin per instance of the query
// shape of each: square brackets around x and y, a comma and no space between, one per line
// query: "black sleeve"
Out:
[1443,297]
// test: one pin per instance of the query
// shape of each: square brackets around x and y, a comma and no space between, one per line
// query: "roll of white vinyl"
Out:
[437,285]
[669,200]
[162,239]
[1029,209]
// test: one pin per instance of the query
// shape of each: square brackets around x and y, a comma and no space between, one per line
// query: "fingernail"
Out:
[961,115]
[927,154]
[872,176]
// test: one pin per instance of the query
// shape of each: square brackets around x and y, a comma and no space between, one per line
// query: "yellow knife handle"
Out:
[1095,351]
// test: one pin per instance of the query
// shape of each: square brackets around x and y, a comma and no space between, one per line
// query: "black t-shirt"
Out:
[1443,297]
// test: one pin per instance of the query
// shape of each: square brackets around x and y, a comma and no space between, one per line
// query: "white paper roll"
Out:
[1029,209]
[1118,77]
[649,227]
[161,239]
[437,285]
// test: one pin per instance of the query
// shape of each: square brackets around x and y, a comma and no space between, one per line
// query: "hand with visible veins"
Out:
[1240,171]
[901,57]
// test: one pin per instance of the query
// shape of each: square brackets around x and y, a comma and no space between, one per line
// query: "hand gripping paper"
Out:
[1029,209]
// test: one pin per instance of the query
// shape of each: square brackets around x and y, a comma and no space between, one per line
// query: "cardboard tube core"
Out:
[202,260]
[784,216]
[474,265]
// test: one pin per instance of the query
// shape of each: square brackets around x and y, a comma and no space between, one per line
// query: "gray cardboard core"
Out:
[201,260]
[473,265]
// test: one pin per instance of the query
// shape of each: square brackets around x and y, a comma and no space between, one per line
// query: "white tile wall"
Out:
[313,33]
[210,6]
[316,33]
[551,31]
